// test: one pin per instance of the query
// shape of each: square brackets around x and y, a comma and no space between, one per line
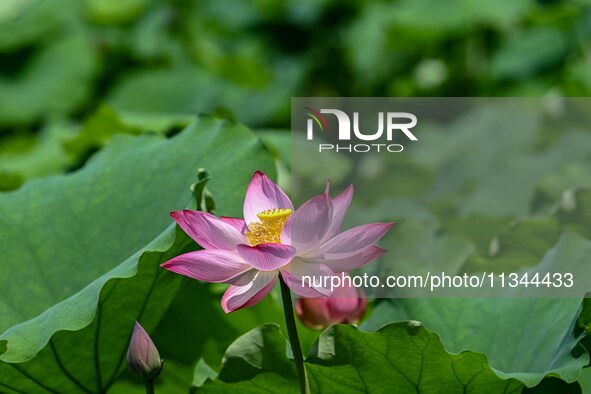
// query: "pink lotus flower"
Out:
[274,239]
[346,305]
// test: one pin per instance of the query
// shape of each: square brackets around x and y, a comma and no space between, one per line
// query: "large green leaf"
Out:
[402,358]
[585,380]
[527,339]
[81,253]
[524,338]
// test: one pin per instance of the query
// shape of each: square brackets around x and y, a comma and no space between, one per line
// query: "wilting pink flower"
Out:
[143,360]
[273,239]
[346,305]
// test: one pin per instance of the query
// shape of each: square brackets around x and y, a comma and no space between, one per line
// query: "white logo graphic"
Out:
[395,122]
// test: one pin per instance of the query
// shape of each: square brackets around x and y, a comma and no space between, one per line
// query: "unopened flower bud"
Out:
[345,306]
[143,359]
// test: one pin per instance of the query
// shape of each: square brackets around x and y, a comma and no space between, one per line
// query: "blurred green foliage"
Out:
[62,61]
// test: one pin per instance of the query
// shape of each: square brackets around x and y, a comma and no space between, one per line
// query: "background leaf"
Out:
[402,355]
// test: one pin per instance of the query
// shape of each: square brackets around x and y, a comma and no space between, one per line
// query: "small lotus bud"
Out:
[143,360]
[345,306]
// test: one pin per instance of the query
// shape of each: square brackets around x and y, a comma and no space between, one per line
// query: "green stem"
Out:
[150,386]
[294,340]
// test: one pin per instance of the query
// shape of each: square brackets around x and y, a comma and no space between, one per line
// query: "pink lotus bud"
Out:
[345,306]
[143,360]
